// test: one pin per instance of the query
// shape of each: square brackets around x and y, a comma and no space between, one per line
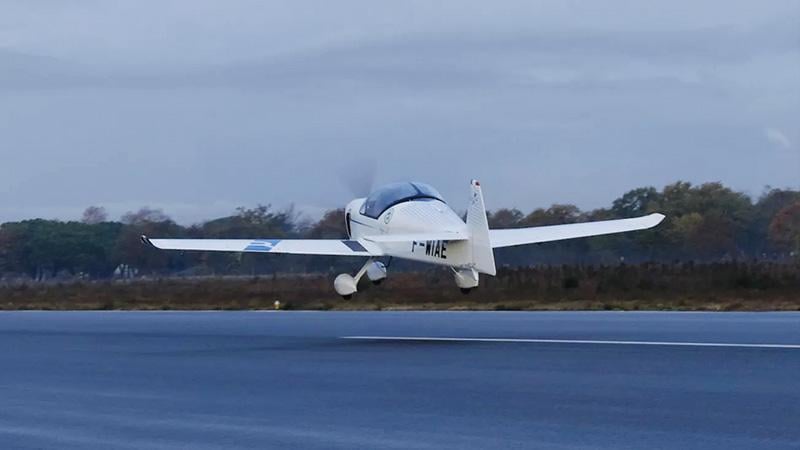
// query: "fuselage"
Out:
[425,213]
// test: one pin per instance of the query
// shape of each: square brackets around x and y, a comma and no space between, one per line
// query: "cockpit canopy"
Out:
[392,194]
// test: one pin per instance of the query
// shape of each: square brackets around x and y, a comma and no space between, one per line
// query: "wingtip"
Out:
[657,218]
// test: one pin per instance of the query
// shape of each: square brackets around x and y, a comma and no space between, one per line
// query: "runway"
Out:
[400,380]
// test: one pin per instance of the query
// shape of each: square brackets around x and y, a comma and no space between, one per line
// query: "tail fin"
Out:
[478,227]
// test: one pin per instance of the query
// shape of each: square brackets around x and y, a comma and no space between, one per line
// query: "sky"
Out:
[197,107]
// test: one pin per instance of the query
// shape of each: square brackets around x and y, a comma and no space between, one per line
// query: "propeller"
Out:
[358,176]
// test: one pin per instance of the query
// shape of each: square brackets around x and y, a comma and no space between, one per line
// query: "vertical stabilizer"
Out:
[478,226]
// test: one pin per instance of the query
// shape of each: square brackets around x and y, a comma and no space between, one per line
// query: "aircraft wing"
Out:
[520,236]
[332,247]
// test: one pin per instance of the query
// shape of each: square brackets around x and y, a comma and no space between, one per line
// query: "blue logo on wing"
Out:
[262,245]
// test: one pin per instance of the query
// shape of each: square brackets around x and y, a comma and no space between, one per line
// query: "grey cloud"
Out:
[578,114]
[434,60]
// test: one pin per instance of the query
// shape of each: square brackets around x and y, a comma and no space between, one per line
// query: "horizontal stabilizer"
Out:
[332,247]
[534,235]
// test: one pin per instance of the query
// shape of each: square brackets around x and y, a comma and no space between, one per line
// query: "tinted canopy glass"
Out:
[387,196]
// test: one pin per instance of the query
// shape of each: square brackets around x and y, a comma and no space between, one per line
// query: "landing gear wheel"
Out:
[466,291]
[346,285]
[377,282]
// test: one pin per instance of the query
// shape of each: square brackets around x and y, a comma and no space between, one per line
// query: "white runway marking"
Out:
[570,341]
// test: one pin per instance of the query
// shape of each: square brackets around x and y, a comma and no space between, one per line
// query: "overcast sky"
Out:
[200,106]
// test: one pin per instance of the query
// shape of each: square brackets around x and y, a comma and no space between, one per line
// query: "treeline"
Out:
[705,223]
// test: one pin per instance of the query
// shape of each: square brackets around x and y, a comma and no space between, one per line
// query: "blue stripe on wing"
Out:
[262,245]
[355,246]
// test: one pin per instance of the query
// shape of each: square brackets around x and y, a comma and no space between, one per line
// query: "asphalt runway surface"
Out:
[401,380]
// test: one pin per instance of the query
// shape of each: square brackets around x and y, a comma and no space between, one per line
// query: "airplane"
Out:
[410,220]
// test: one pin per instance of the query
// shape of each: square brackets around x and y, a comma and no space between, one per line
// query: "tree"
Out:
[769,204]
[330,226]
[506,218]
[44,248]
[785,228]
[636,202]
[144,215]
[150,222]
[556,214]
[706,221]
[94,215]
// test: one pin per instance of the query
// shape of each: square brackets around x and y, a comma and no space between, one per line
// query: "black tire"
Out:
[347,297]
[377,282]
[466,291]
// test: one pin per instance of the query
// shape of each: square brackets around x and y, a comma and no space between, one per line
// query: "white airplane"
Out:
[410,220]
